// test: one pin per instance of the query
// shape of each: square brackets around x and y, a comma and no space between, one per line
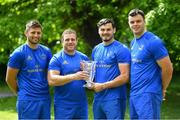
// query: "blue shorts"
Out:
[145,106]
[112,109]
[37,109]
[66,110]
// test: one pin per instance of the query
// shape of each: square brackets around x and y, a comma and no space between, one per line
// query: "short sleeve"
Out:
[158,49]
[93,52]
[123,55]
[84,57]
[49,54]
[54,64]
[16,59]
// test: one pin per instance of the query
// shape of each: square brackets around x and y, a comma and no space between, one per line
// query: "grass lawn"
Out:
[170,108]
[8,108]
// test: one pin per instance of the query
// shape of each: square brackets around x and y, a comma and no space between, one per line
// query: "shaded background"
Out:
[162,17]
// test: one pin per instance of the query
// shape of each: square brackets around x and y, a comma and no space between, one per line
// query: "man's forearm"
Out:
[166,78]
[13,87]
[118,81]
[58,80]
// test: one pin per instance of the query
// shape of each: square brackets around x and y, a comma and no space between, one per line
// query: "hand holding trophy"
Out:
[90,67]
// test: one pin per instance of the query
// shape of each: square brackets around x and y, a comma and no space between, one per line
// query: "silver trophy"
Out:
[90,67]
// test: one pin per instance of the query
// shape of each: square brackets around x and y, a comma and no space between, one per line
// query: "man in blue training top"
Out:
[65,74]
[27,75]
[112,73]
[151,70]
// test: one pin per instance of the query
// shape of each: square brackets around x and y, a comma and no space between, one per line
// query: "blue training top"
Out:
[32,77]
[72,92]
[145,72]
[108,57]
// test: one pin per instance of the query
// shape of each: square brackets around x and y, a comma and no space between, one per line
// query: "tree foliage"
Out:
[82,15]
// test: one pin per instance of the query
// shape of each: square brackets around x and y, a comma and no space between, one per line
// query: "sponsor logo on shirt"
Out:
[104,66]
[37,69]
[136,60]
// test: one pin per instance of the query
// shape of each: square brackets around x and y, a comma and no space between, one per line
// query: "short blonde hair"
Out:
[68,31]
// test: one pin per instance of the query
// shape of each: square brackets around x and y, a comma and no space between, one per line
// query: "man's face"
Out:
[137,24]
[69,42]
[106,32]
[33,35]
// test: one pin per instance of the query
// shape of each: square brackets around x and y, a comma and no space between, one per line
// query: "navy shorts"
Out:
[64,110]
[112,109]
[37,109]
[145,106]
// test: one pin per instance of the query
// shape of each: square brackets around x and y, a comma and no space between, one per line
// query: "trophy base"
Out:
[88,85]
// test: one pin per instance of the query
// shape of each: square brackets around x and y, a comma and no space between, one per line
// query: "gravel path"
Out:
[6,94]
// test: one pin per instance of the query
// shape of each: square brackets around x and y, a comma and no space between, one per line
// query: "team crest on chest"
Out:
[109,54]
[141,47]
[37,66]
[43,56]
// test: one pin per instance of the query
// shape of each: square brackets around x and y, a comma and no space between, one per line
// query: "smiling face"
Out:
[137,25]
[33,35]
[106,32]
[69,43]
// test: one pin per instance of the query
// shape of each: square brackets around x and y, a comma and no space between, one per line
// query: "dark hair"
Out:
[105,21]
[33,24]
[135,12]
